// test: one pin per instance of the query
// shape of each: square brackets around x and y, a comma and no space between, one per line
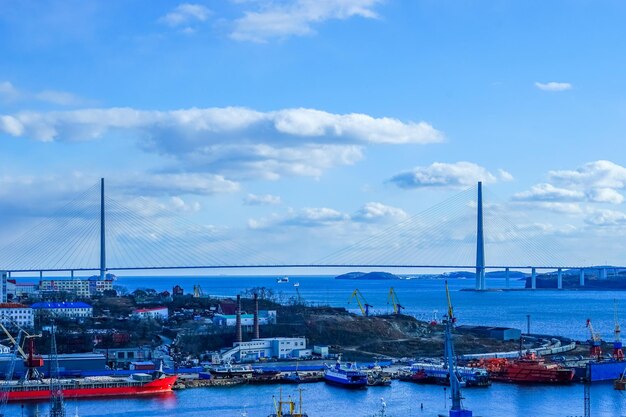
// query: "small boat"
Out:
[347,376]
[290,405]
[282,280]
[296,284]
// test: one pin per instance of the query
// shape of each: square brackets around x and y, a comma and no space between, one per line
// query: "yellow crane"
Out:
[392,298]
[450,308]
[360,299]
[197,291]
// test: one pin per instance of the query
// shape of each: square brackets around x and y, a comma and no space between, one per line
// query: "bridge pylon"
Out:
[480,241]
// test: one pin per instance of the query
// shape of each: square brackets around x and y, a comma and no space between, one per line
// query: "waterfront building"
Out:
[265,317]
[269,347]
[16,314]
[66,309]
[152,313]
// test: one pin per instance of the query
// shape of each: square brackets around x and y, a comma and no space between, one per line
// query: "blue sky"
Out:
[299,121]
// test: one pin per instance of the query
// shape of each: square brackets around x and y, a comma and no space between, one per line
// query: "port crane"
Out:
[392,298]
[197,291]
[31,361]
[457,409]
[595,341]
[360,299]
[618,352]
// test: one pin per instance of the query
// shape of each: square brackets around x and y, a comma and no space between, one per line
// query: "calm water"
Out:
[320,400]
[553,312]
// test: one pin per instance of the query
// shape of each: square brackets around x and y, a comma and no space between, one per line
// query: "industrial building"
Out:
[266,348]
[265,317]
[498,333]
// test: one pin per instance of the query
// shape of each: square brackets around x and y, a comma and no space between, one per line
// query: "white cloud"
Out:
[505,175]
[31,195]
[261,200]
[375,211]
[548,192]
[297,17]
[439,174]
[10,93]
[606,218]
[594,182]
[553,86]
[175,184]
[236,141]
[185,14]
[596,174]
[371,212]
[61,98]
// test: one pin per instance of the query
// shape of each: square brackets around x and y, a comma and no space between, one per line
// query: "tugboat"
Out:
[527,369]
[347,376]
[279,407]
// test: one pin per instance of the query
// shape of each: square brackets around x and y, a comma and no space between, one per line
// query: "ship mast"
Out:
[57,404]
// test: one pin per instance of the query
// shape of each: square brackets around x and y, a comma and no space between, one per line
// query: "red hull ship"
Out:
[91,387]
[528,369]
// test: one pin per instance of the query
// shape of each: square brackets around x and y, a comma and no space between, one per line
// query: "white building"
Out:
[82,287]
[270,347]
[77,286]
[152,313]
[19,314]
[67,309]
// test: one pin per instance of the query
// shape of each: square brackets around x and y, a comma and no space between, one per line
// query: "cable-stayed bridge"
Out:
[94,232]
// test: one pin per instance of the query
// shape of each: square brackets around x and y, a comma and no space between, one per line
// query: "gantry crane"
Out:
[360,299]
[393,299]
[595,342]
[618,352]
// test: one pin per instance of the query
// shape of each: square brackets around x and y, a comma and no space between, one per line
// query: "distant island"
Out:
[615,279]
[368,276]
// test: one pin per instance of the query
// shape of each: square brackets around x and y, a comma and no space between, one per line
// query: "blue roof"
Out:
[78,304]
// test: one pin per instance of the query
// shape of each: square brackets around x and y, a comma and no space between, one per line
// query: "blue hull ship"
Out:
[347,376]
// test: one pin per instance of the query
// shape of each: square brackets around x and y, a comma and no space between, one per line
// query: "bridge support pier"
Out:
[559,279]
[582,277]
[533,278]
[506,276]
